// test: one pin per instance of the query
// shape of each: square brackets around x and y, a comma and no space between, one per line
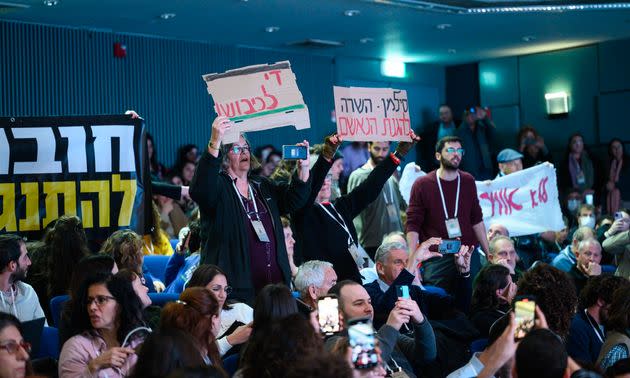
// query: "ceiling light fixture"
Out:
[167,16]
[550,8]
[51,3]
[443,26]
[366,40]
[528,38]
[351,12]
[272,29]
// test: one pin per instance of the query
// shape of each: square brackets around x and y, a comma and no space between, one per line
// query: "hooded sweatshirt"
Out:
[22,302]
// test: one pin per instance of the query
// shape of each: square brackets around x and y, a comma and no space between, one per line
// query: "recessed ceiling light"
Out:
[272,29]
[443,26]
[167,16]
[366,40]
[452,51]
[51,3]
[351,12]
[528,38]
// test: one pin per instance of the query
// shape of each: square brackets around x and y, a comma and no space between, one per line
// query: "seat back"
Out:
[56,306]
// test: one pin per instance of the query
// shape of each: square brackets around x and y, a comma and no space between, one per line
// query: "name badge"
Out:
[392,212]
[452,227]
[354,252]
[260,231]
[581,180]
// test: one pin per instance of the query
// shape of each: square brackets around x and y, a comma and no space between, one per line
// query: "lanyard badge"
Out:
[452,224]
[257,224]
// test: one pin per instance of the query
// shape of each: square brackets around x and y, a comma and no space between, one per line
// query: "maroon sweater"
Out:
[425,214]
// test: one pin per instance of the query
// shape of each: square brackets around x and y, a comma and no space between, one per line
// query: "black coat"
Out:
[223,232]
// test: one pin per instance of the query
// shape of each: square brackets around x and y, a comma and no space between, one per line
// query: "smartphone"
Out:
[448,246]
[588,199]
[328,314]
[402,291]
[472,110]
[618,215]
[525,314]
[293,152]
[362,342]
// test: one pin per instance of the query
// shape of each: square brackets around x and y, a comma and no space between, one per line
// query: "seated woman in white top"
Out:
[236,318]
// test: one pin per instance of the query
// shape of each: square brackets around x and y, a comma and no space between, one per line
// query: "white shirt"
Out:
[239,312]
[22,302]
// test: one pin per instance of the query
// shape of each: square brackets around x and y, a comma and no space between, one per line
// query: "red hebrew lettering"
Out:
[274,100]
[344,126]
[532,193]
[276,73]
[542,190]
[506,204]
[261,101]
[251,106]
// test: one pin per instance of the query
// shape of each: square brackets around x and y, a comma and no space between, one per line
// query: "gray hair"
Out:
[582,233]
[493,243]
[391,237]
[311,273]
[587,242]
[383,251]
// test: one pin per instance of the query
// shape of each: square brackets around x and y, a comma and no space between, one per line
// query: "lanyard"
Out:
[251,195]
[391,193]
[442,196]
[342,223]
[595,328]
[390,370]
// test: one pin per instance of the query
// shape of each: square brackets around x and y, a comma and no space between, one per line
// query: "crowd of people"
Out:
[263,242]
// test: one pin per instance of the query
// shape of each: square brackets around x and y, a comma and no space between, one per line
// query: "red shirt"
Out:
[425,214]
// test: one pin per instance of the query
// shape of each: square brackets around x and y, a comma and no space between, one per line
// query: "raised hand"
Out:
[219,126]
[462,258]
[331,143]
[404,147]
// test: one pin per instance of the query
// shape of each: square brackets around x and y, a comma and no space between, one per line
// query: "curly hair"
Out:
[555,295]
[600,287]
[491,278]
[129,315]
[125,246]
[279,344]
[619,311]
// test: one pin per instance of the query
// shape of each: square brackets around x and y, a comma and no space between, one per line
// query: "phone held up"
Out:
[294,152]
[402,291]
[449,246]
[524,314]
[362,342]
[328,316]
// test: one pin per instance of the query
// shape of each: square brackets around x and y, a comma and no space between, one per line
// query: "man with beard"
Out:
[444,204]
[383,215]
[587,333]
[16,297]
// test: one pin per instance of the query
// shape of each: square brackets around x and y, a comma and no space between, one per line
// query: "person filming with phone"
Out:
[240,213]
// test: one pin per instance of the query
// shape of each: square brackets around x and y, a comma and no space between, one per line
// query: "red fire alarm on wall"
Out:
[120,50]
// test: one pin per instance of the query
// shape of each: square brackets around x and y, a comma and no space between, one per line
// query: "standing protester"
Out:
[444,204]
[382,216]
[324,230]
[240,213]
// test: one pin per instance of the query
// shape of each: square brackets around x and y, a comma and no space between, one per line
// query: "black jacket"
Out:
[318,236]
[223,232]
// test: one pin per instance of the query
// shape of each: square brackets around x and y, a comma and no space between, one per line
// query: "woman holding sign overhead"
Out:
[240,213]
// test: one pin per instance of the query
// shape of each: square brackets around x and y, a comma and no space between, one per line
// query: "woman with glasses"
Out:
[14,351]
[236,318]
[108,315]
[240,213]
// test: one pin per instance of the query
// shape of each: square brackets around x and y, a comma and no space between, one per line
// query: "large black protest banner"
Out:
[90,166]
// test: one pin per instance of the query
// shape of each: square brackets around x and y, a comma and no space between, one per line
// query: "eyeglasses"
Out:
[12,346]
[237,150]
[452,150]
[226,289]
[100,300]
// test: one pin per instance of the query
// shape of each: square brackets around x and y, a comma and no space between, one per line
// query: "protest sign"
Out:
[525,202]
[93,167]
[258,98]
[372,114]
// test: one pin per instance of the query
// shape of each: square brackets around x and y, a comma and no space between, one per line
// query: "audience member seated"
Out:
[18,297]
[618,178]
[172,216]
[236,318]
[619,246]
[566,258]
[89,266]
[578,170]
[369,275]
[196,313]
[492,297]
[151,314]
[501,251]
[587,332]
[397,350]
[289,243]
[313,280]
[166,351]
[157,170]
[584,217]
[571,205]
[552,242]
[248,245]
[125,246]
[541,354]
[66,242]
[186,154]
[617,344]
[532,146]
[14,351]
[554,293]
[277,345]
[157,242]
[324,364]
[621,369]
[184,261]
[495,229]
[109,313]
[589,256]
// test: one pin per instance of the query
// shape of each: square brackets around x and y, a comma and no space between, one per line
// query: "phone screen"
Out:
[328,308]
[449,246]
[402,291]
[293,152]
[524,312]
[362,343]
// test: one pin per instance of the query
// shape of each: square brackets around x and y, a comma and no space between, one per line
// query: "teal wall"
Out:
[48,70]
